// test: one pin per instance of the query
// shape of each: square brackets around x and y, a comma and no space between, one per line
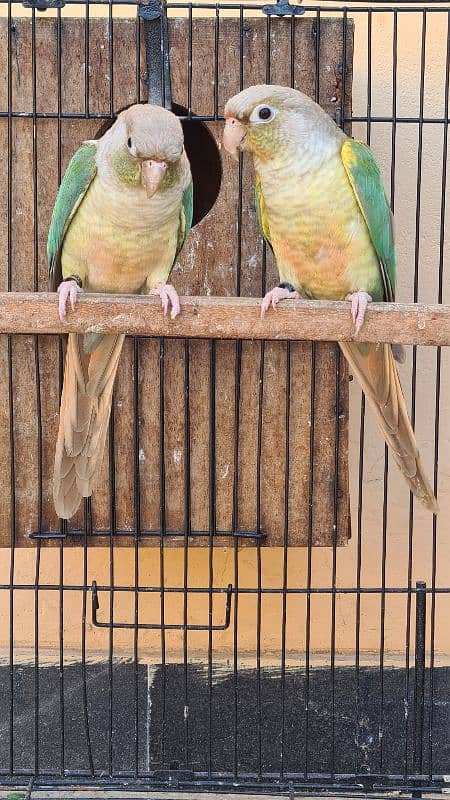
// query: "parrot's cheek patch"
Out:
[152,175]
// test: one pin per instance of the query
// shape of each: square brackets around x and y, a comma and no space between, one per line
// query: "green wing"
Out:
[261,212]
[187,212]
[365,179]
[79,175]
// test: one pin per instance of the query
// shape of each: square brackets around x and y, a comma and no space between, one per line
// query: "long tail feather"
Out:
[373,365]
[84,416]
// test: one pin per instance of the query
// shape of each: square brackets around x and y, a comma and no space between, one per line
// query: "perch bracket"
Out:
[283,8]
[159,626]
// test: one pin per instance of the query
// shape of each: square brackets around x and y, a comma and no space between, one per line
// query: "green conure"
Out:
[122,214]
[323,210]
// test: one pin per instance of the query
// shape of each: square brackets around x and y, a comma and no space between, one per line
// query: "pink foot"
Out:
[274,296]
[360,301]
[67,290]
[168,295]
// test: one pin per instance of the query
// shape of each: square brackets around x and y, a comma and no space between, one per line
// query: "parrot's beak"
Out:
[233,136]
[152,175]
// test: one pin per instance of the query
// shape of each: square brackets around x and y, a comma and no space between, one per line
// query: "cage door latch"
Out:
[159,626]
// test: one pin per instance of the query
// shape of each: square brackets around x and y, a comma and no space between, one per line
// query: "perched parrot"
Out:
[121,216]
[322,208]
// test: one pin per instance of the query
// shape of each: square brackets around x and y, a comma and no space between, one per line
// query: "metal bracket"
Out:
[158,626]
[43,5]
[283,8]
[154,15]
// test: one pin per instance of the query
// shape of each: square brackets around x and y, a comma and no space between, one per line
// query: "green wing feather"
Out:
[186,215]
[261,212]
[79,175]
[364,176]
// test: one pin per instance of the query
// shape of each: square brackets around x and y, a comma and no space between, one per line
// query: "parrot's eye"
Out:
[129,142]
[264,113]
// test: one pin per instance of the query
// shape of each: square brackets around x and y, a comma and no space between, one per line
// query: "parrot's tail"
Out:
[84,415]
[373,365]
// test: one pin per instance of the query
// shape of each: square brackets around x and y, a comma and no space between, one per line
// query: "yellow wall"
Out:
[397,539]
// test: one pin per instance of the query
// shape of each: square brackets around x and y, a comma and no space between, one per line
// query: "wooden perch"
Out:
[226,318]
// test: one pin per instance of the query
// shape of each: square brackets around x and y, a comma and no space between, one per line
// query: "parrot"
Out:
[121,216]
[322,208]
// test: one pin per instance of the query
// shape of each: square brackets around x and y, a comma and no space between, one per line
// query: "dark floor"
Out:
[346,729]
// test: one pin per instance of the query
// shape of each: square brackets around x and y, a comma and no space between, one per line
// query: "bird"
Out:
[322,208]
[121,216]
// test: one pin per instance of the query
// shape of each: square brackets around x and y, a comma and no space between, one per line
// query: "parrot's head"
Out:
[270,121]
[145,145]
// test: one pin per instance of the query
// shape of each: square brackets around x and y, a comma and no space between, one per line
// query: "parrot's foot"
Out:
[274,296]
[168,295]
[360,301]
[67,290]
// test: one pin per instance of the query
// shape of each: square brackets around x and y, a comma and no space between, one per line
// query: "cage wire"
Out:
[224,666]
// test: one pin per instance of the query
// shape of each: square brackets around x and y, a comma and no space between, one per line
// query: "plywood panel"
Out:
[225,256]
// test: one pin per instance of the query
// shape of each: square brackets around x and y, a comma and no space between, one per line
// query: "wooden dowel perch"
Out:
[226,318]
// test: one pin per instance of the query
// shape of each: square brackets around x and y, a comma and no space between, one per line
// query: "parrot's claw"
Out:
[274,296]
[168,296]
[359,301]
[67,290]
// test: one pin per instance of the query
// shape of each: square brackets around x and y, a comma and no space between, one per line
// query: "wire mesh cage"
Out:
[214,616]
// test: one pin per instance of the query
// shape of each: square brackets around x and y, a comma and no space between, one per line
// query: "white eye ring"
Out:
[260,115]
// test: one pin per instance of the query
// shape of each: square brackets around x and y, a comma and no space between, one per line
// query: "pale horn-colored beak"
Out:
[152,175]
[233,136]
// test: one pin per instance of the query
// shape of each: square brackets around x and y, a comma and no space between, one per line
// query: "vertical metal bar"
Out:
[258,469]
[258,548]
[383,607]
[162,527]
[189,64]
[112,533]
[87,532]
[385,504]
[415,299]
[309,555]
[419,676]
[187,532]
[344,66]
[287,409]
[137,536]
[361,451]
[216,63]
[438,399]
[111,56]
[63,523]
[235,527]
[238,361]
[212,527]
[292,51]
[86,60]
[334,561]
[311,470]
[11,410]
[138,56]
[34,155]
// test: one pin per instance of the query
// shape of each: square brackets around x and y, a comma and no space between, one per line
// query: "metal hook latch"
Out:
[159,626]
[283,8]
